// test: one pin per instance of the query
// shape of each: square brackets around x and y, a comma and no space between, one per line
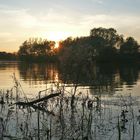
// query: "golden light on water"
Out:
[56,79]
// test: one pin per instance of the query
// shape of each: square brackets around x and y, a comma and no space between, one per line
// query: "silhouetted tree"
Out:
[129,50]
[130,46]
[110,36]
[101,45]
[36,49]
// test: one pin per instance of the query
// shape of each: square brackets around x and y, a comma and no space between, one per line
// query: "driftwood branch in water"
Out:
[38,100]
[42,109]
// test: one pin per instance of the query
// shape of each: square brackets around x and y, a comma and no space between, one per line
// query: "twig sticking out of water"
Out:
[38,100]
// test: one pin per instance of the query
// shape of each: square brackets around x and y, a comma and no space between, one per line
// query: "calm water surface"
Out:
[66,117]
[107,79]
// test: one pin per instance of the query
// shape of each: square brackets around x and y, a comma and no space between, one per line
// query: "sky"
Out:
[58,19]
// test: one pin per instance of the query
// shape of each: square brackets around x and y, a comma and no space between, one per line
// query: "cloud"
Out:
[22,18]
[98,1]
[125,24]
[112,20]
[17,17]
[18,24]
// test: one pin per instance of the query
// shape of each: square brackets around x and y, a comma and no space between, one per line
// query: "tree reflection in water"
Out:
[102,78]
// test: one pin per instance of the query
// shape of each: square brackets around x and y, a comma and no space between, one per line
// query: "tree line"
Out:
[102,45]
[38,50]
[8,56]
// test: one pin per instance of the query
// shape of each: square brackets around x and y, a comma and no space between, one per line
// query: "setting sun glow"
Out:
[56,45]
[56,35]
[21,20]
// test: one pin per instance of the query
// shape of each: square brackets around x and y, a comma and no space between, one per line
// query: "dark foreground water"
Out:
[101,105]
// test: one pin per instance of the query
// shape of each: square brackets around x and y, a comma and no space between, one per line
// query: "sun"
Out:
[56,35]
[56,45]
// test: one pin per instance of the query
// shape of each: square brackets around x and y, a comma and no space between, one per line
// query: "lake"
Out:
[101,104]
[108,79]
